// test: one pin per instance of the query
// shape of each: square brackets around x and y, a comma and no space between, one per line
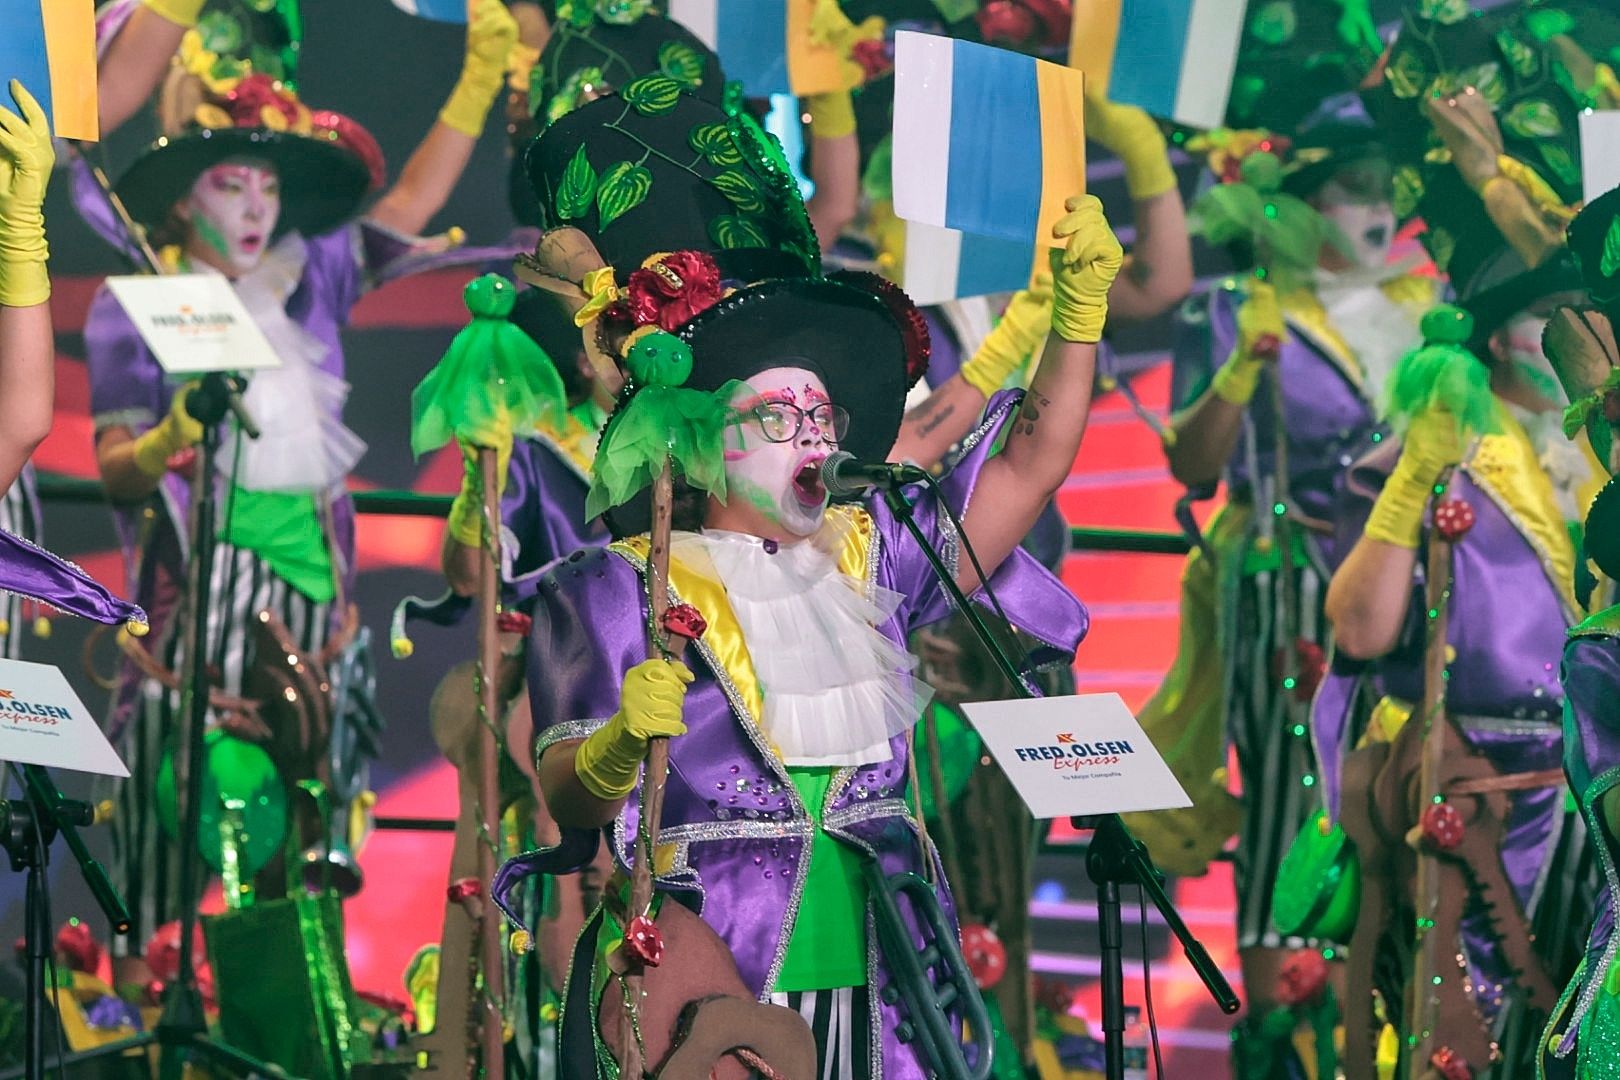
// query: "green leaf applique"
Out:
[621,189]
[741,189]
[652,95]
[715,143]
[681,62]
[734,231]
[578,188]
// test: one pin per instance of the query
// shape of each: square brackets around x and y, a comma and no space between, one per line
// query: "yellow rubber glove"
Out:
[491,33]
[1025,322]
[1432,442]
[1083,269]
[178,431]
[1261,332]
[832,115]
[183,13]
[1135,138]
[26,159]
[650,704]
[466,512]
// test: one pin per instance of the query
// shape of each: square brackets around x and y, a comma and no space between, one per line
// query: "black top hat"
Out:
[1291,57]
[326,163]
[1594,238]
[589,55]
[654,169]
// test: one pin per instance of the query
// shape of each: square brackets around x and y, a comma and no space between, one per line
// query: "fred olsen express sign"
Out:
[15,710]
[1070,754]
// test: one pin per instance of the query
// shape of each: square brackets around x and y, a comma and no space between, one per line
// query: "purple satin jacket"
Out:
[740,832]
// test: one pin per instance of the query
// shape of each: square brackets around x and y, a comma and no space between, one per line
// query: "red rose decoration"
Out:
[1303,977]
[79,948]
[644,941]
[1310,661]
[462,889]
[986,956]
[1451,1065]
[356,140]
[1003,22]
[252,94]
[673,289]
[684,620]
[1453,518]
[514,622]
[874,58]
[1442,826]
[1055,17]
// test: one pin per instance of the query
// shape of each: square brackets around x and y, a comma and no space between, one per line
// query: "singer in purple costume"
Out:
[251,184]
[788,750]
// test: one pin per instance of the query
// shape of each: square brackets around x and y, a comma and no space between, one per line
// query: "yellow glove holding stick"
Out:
[26,159]
[177,431]
[650,703]
[491,33]
[466,512]
[1083,270]
[1261,332]
[1025,322]
[1432,442]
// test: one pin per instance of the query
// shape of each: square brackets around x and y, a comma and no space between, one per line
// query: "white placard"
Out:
[1077,755]
[1600,153]
[193,323]
[43,722]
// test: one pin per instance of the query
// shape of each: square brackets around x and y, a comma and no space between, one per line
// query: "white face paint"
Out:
[1367,223]
[1529,361]
[232,210]
[775,486]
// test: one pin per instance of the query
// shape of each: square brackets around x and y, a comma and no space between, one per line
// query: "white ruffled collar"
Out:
[835,688]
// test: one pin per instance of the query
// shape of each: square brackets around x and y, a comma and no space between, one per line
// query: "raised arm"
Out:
[1158,272]
[835,165]
[1369,594]
[1206,432]
[136,60]
[1018,482]
[27,352]
[431,174]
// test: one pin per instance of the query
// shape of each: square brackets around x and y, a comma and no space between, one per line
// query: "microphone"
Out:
[217,394]
[842,474]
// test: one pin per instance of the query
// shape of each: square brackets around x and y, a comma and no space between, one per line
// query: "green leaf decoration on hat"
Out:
[652,95]
[1548,23]
[661,423]
[1609,264]
[715,144]
[1520,57]
[1443,374]
[1444,12]
[1561,163]
[622,188]
[1275,23]
[578,189]
[1406,74]
[1285,233]
[681,62]
[731,231]
[742,190]
[493,377]
[1534,119]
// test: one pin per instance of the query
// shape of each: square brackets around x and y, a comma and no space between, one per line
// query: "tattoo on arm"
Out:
[1030,413]
[1139,269]
[931,424]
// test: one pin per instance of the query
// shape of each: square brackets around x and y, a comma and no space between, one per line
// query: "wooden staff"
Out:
[1430,954]
[491,949]
[652,787]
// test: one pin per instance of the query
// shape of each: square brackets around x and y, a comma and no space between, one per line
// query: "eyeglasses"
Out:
[781,421]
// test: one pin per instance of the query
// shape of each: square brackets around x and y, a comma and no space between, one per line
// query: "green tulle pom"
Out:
[1285,233]
[661,423]
[493,379]
[1442,374]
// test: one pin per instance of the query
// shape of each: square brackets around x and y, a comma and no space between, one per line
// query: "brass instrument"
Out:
[930,1001]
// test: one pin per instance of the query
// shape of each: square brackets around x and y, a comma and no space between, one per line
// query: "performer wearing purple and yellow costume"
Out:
[799,342]
[1492,220]
[251,184]
[1584,1033]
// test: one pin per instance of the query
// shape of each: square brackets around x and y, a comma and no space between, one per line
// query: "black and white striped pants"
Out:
[145,863]
[842,1022]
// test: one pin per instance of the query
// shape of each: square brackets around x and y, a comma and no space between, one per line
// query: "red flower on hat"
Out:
[248,100]
[874,57]
[669,289]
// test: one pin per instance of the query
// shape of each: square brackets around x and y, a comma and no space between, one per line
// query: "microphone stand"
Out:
[1113,857]
[27,828]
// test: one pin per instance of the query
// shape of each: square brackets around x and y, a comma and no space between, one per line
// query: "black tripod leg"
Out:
[38,937]
[1111,932]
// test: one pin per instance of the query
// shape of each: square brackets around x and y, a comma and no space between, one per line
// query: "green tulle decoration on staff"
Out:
[1443,374]
[1285,233]
[492,378]
[661,422]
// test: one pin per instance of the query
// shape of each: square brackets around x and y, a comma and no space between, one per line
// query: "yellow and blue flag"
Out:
[1171,58]
[986,141]
[50,46]
[945,264]
[763,44]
